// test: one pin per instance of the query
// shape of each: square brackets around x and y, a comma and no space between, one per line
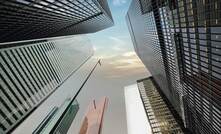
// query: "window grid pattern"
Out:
[189,38]
[147,43]
[131,31]
[145,6]
[101,22]
[34,19]
[197,25]
[155,46]
[168,50]
[160,118]
[29,73]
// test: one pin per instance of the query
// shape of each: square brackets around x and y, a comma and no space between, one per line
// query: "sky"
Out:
[120,67]
[114,46]
[114,40]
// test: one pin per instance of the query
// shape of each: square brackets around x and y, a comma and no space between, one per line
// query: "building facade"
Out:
[48,124]
[33,64]
[179,42]
[157,109]
[30,19]
[149,45]
[30,73]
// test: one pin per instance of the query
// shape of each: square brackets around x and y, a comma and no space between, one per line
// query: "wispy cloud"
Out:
[117,40]
[128,54]
[119,2]
[104,56]
[122,65]
[112,47]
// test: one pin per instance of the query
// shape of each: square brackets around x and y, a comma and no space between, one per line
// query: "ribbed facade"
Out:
[197,29]
[154,45]
[35,19]
[158,113]
[168,50]
[187,46]
[31,72]
[144,34]
[32,63]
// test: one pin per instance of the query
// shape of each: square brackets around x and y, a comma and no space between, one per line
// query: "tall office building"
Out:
[179,42]
[32,63]
[31,72]
[34,19]
[148,111]
[157,109]
[147,35]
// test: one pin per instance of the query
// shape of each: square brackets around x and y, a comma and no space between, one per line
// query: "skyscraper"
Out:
[33,64]
[30,19]
[158,109]
[149,43]
[179,42]
[149,111]
[30,73]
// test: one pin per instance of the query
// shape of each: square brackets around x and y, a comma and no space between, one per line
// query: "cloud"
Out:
[117,48]
[104,56]
[114,46]
[119,2]
[130,63]
[121,65]
[117,41]
[94,48]
[128,54]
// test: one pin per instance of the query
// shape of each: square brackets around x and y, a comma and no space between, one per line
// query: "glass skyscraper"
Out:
[35,19]
[40,50]
[31,72]
[160,117]
[179,42]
